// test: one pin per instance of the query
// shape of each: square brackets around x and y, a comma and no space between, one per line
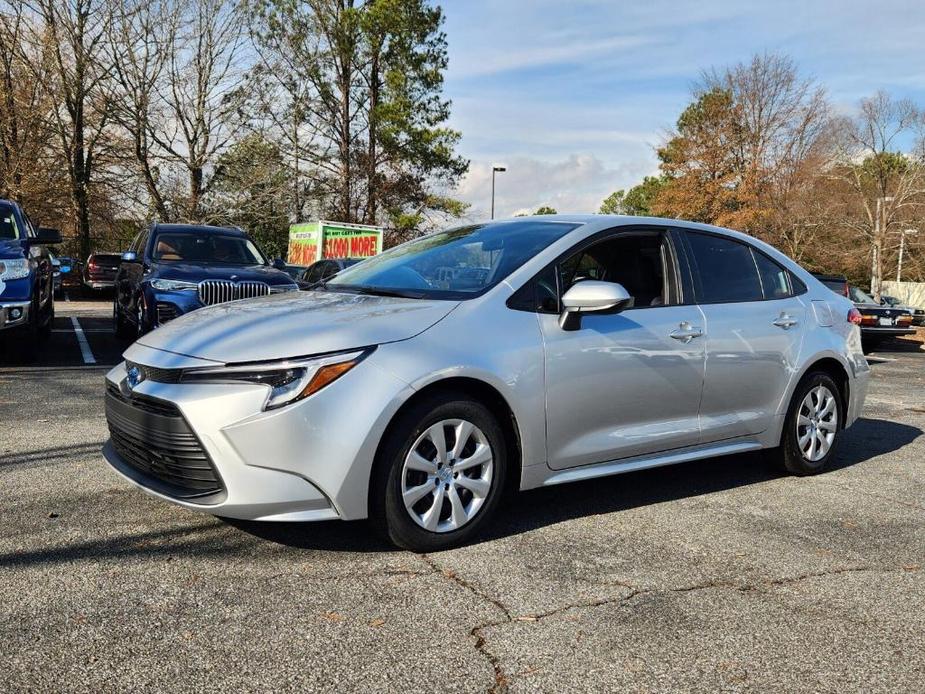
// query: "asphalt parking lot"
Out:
[715,575]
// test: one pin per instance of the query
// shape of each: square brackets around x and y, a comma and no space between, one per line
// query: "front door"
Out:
[627,384]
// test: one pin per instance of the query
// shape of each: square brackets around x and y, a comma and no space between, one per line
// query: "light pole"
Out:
[495,168]
[902,243]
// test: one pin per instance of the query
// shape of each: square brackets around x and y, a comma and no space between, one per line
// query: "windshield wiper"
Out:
[386,291]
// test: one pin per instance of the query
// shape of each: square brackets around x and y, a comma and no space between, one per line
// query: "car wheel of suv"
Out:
[813,426]
[440,474]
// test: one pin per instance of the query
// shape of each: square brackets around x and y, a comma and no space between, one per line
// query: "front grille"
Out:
[219,291]
[156,374]
[165,312]
[159,449]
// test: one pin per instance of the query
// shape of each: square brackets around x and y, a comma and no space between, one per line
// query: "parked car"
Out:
[324,269]
[837,283]
[172,269]
[918,314]
[71,270]
[56,274]
[595,345]
[100,270]
[295,272]
[879,322]
[27,301]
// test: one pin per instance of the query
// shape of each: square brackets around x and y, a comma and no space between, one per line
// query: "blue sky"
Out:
[575,96]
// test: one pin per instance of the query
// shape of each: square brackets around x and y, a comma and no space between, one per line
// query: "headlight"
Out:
[14,269]
[173,285]
[288,381]
[280,288]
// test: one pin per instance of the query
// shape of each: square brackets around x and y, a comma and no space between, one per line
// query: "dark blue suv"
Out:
[27,302]
[171,269]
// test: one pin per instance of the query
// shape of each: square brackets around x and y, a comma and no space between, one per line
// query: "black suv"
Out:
[27,300]
[172,269]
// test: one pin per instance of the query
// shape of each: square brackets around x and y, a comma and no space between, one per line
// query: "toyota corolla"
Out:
[418,387]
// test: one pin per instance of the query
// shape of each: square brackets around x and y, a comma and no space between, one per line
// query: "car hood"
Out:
[295,324]
[193,272]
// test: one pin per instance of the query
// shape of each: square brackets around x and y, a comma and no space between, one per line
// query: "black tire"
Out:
[789,454]
[387,509]
[44,331]
[122,328]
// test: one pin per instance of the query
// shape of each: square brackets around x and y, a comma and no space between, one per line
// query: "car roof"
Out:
[198,229]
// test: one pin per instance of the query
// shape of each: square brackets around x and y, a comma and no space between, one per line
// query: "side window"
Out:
[725,270]
[314,272]
[143,243]
[775,280]
[30,229]
[330,269]
[641,262]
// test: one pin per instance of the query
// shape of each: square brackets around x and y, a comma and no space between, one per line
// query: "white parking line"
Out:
[82,341]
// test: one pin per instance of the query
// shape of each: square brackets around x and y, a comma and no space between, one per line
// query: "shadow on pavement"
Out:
[868,438]
[526,511]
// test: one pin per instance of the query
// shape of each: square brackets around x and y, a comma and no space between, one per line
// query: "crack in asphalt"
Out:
[502,680]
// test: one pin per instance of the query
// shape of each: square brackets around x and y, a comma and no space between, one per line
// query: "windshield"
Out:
[206,248]
[859,297]
[455,264]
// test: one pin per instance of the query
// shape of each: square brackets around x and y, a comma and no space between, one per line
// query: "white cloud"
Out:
[577,183]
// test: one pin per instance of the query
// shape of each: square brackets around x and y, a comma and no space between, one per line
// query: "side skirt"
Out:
[644,462]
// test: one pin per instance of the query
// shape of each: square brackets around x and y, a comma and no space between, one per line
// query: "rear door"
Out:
[753,324]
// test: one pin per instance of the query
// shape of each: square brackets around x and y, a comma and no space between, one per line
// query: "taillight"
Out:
[854,316]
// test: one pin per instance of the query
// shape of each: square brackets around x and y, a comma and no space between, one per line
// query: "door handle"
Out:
[784,321]
[685,332]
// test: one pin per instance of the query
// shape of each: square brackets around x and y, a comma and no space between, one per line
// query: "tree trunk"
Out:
[371,211]
[876,267]
[195,191]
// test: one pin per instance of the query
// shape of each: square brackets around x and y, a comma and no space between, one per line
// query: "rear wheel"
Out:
[440,474]
[812,427]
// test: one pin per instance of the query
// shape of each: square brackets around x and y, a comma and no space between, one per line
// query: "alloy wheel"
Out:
[817,423]
[447,475]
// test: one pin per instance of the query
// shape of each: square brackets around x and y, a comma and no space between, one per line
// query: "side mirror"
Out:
[47,237]
[591,296]
[129,257]
[279,263]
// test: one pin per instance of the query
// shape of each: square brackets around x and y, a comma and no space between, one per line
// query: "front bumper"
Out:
[14,314]
[311,460]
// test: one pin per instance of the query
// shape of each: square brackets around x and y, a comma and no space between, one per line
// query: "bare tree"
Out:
[783,139]
[886,186]
[64,50]
[143,36]
[202,71]
[30,170]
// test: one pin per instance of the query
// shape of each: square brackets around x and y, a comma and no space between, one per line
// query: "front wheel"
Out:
[121,327]
[440,474]
[812,427]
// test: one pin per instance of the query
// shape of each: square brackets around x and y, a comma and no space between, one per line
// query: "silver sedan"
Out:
[419,387]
